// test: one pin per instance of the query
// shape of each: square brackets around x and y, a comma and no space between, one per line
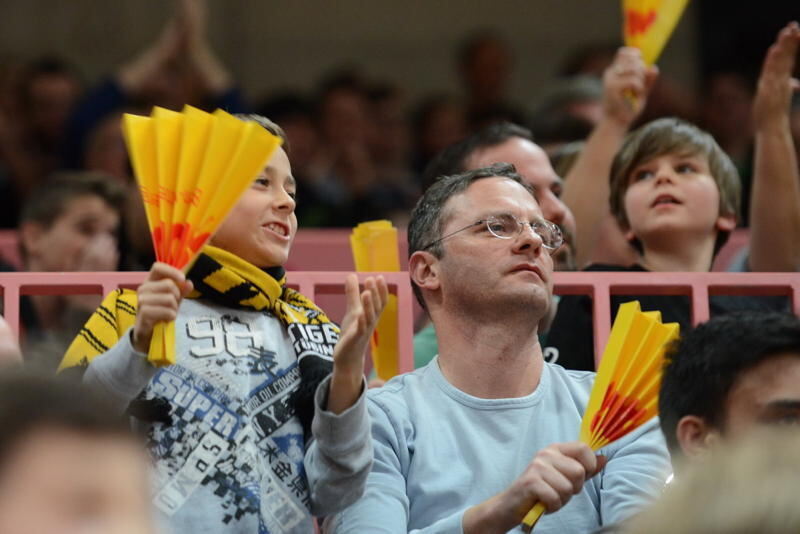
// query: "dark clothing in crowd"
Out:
[572,334]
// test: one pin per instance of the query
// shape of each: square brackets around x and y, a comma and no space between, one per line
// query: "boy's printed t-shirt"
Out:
[231,461]
[570,340]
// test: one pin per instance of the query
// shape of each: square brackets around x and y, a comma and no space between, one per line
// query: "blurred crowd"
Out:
[358,143]
[362,149]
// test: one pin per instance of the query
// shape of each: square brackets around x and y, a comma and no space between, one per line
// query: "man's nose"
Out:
[528,238]
[552,208]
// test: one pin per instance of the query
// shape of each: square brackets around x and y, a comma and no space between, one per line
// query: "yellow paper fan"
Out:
[374,246]
[625,391]
[647,24]
[191,167]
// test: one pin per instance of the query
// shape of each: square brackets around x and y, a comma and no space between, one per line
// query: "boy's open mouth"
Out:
[277,228]
[664,199]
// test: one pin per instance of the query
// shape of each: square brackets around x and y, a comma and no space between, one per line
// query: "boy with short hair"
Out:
[674,194]
[71,223]
[260,369]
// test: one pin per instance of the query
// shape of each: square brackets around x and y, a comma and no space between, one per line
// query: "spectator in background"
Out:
[69,224]
[485,64]
[359,168]
[438,122]
[105,153]
[727,114]
[395,190]
[346,171]
[296,115]
[568,112]
[32,128]
[179,68]
[67,464]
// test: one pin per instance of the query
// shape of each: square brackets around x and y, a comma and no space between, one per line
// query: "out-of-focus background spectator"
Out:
[367,93]
[741,488]
[66,463]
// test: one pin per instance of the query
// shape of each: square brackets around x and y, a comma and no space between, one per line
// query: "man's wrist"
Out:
[488,518]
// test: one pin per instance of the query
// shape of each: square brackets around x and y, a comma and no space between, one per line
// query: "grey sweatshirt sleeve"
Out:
[339,458]
[119,374]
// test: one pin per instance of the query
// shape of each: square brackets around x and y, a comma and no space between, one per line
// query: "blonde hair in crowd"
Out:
[743,488]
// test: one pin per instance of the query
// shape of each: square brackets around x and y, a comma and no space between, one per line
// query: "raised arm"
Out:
[626,84]
[775,199]
[339,459]
[212,73]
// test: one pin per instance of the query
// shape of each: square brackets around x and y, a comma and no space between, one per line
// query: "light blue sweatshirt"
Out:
[439,451]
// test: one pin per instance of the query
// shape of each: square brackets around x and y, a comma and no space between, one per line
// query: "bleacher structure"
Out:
[326,285]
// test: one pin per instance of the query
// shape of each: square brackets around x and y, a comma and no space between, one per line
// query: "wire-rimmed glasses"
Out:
[506,226]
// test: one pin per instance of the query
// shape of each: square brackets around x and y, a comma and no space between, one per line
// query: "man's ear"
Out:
[423,268]
[726,223]
[695,436]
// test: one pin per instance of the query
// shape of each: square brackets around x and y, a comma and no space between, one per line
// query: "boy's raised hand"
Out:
[159,297]
[775,84]
[363,310]
[626,85]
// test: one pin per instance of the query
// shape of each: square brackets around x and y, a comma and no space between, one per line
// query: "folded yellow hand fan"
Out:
[625,391]
[647,24]
[374,246]
[191,167]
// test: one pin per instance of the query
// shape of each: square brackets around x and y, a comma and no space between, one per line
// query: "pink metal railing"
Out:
[698,286]
[312,284]
[599,285]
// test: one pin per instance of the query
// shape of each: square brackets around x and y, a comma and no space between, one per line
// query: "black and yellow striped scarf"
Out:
[230,281]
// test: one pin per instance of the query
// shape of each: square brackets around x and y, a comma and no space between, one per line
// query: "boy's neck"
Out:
[691,256]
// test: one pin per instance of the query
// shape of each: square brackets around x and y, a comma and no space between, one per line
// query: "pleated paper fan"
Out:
[374,246]
[648,24]
[625,391]
[191,167]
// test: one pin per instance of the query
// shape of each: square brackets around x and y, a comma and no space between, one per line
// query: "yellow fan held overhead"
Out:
[625,391]
[374,246]
[191,168]
[647,24]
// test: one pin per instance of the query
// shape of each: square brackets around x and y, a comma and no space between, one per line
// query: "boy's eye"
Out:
[263,181]
[642,174]
[685,168]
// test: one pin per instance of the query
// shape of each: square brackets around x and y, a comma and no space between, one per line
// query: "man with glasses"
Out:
[470,442]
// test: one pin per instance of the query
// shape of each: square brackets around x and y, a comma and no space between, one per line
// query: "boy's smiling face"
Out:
[674,195]
[261,226]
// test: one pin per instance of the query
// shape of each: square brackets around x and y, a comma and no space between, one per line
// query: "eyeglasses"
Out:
[506,226]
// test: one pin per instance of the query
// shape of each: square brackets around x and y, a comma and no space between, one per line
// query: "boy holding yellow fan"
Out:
[259,370]
[675,196]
